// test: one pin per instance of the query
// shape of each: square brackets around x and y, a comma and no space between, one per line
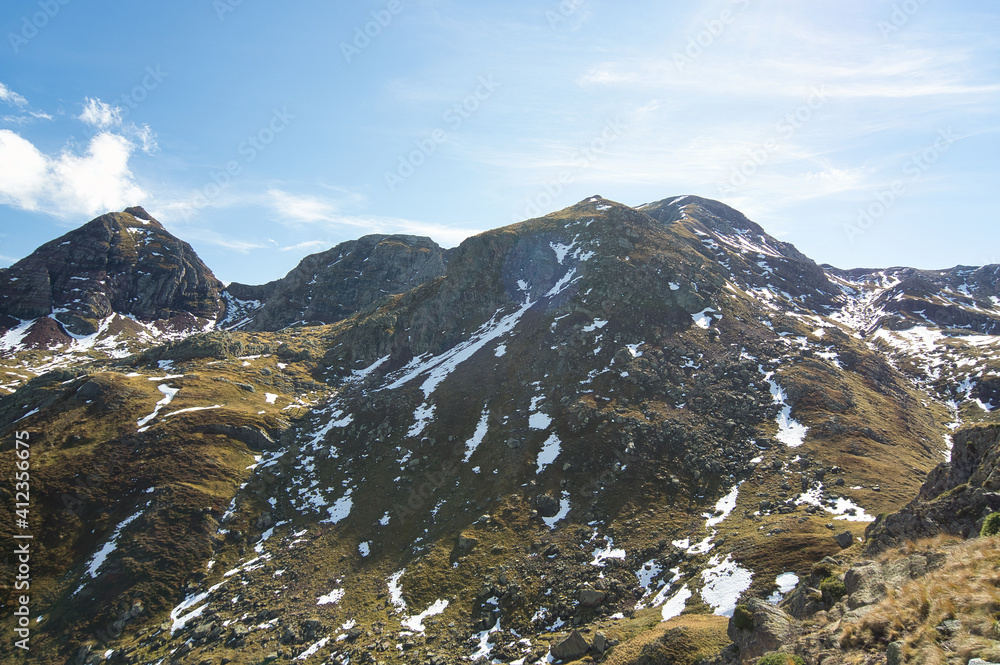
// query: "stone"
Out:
[592,597]
[202,630]
[949,627]
[845,539]
[865,584]
[463,546]
[894,654]
[548,505]
[600,644]
[772,627]
[571,648]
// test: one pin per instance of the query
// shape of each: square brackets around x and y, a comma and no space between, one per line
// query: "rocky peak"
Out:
[124,263]
[332,285]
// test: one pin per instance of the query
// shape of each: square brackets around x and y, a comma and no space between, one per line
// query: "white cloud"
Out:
[68,185]
[100,114]
[11,97]
[325,213]
[103,116]
[146,138]
[308,245]
[301,209]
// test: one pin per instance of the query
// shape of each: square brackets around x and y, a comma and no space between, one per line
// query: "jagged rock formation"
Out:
[332,285]
[121,263]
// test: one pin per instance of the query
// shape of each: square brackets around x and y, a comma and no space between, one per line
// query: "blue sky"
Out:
[864,132]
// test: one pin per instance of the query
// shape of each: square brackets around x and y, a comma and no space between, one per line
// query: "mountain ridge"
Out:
[590,420]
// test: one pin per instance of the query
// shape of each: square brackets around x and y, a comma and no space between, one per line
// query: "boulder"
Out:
[600,644]
[894,654]
[571,648]
[865,584]
[592,597]
[771,628]
[548,505]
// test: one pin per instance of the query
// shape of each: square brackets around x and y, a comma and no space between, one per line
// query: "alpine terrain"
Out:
[633,435]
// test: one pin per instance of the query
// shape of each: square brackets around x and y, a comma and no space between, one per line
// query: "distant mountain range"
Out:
[534,447]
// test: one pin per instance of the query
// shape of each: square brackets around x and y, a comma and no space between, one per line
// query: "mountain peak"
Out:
[140,213]
[122,262]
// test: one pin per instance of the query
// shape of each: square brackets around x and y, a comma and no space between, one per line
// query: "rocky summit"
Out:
[648,434]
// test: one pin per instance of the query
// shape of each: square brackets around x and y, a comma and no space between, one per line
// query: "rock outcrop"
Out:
[955,499]
[124,263]
[332,285]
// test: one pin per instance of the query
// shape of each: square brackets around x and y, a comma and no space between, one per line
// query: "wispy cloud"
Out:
[326,214]
[105,117]
[301,209]
[23,115]
[100,114]
[302,246]
[201,234]
[12,98]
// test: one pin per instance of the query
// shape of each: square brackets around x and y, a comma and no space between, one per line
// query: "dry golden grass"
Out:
[682,640]
[966,588]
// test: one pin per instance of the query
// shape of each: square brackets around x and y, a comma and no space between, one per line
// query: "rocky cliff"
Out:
[121,263]
[332,285]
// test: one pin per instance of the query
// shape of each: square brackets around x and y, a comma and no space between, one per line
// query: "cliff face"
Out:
[124,263]
[332,285]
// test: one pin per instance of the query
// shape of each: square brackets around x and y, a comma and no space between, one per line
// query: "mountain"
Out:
[104,290]
[332,285]
[541,444]
[124,263]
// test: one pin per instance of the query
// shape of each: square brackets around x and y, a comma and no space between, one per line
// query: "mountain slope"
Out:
[597,419]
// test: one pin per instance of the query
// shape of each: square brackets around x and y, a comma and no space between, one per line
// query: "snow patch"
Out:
[549,452]
[786,584]
[564,507]
[724,506]
[724,582]
[331,598]
[676,604]
[477,437]
[168,395]
[416,622]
